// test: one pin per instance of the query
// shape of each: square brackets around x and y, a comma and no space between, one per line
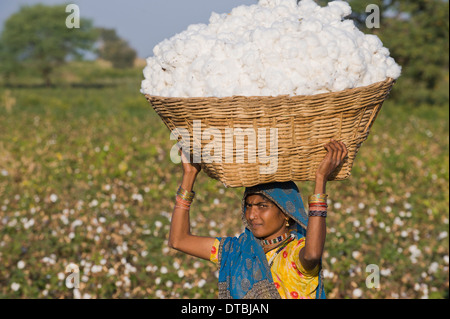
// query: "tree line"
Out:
[36,38]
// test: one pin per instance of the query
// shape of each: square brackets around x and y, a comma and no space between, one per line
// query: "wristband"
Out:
[316,213]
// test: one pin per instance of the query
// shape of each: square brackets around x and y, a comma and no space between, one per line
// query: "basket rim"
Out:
[387,81]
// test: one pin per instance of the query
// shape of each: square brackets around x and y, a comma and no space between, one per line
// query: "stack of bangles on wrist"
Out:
[184,199]
[318,205]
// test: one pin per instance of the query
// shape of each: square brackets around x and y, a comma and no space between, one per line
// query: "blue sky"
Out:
[143,23]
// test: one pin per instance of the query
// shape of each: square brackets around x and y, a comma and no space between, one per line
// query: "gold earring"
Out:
[287,223]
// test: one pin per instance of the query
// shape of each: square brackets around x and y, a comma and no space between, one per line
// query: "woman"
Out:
[279,254]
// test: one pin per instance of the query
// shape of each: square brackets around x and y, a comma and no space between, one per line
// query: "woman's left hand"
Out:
[337,151]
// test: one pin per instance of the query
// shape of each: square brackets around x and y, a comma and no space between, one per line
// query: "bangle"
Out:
[182,202]
[320,209]
[318,198]
[179,199]
[186,195]
[316,213]
[318,205]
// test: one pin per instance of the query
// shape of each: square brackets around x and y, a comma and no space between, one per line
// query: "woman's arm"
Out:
[311,254]
[180,237]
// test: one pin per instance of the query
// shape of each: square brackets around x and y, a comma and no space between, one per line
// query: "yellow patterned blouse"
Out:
[290,278]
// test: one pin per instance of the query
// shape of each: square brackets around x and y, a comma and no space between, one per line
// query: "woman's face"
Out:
[265,219]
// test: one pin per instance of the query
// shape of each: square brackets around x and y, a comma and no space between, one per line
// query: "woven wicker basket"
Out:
[304,125]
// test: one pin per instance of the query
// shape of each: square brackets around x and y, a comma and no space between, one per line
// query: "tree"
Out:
[37,37]
[115,50]
[417,35]
[7,64]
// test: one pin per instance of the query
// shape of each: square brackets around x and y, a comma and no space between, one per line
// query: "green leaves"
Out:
[116,50]
[36,37]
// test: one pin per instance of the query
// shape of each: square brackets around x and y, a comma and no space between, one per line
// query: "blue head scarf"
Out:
[244,271]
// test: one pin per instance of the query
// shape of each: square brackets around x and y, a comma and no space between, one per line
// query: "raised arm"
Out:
[180,237]
[311,254]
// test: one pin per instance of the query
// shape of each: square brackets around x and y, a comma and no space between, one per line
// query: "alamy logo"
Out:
[73,279]
[373,279]
[373,19]
[228,147]
[73,19]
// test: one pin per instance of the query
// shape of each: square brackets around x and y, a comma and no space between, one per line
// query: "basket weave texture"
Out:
[304,124]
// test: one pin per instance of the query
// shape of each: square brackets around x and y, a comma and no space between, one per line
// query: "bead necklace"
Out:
[276,240]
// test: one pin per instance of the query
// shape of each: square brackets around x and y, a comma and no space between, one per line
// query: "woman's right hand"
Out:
[336,153]
[188,167]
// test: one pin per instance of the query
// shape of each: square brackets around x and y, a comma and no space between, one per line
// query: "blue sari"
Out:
[244,272]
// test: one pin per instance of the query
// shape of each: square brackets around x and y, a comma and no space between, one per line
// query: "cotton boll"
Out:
[312,25]
[290,53]
[222,91]
[340,8]
[286,87]
[282,11]
[173,92]
[309,6]
[248,90]
[262,16]
[356,69]
[383,51]
[216,18]
[167,79]
[333,50]
[301,90]
[379,59]
[288,48]
[238,51]
[394,71]
[311,40]
[156,50]
[374,43]
[276,3]
[319,52]
[196,91]
[212,82]
[147,71]
[251,58]
[197,65]
[210,67]
[273,78]
[179,46]
[172,59]
[266,3]
[230,51]
[367,57]
[232,70]
[271,36]
[218,51]
[380,73]
[146,85]
[349,26]
[192,49]
[340,84]
[267,92]
[366,79]
[195,28]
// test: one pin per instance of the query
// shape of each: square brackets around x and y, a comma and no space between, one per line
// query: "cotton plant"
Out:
[275,47]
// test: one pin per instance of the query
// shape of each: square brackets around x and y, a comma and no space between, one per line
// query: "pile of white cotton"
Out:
[273,48]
